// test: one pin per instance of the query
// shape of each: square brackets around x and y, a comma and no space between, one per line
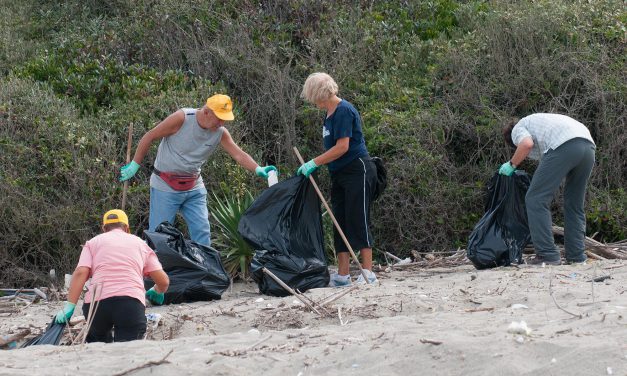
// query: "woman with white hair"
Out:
[353,174]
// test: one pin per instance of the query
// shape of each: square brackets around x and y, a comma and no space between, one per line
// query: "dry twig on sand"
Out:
[147,365]
[555,300]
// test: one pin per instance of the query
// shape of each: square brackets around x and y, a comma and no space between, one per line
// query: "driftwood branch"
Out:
[608,251]
[4,341]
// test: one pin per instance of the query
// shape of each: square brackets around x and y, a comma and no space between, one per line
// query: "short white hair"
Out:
[319,87]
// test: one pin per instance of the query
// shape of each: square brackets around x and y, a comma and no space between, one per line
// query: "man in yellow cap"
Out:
[116,262]
[188,137]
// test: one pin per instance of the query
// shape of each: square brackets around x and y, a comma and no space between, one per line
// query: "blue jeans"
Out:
[191,204]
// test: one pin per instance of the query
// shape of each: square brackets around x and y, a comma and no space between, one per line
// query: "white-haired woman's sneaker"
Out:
[372,278]
[337,280]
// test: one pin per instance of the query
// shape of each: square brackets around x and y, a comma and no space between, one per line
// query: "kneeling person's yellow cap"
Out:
[115,216]
[221,106]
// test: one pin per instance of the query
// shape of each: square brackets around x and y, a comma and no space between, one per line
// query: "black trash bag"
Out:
[503,232]
[52,335]
[284,226]
[196,272]
[382,178]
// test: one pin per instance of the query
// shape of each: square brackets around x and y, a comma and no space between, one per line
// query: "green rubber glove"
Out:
[65,314]
[307,168]
[507,169]
[155,297]
[128,171]
[263,171]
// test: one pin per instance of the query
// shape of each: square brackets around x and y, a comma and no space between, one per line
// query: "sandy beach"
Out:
[443,321]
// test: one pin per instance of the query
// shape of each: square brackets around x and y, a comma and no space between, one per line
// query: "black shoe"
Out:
[539,260]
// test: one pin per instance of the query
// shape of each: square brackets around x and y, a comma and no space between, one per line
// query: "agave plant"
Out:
[227,210]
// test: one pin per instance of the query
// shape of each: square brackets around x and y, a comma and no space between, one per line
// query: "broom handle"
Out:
[337,225]
[129,142]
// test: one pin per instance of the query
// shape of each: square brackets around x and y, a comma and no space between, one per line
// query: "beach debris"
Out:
[519,306]
[147,365]
[75,320]
[519,328]
[600,250]
[609,371]
[259,300]
[10,341]
[399,261]
[431,341]
[600,279]
[520,339]
[153,320]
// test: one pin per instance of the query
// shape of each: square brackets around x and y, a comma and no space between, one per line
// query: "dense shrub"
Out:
[433,81]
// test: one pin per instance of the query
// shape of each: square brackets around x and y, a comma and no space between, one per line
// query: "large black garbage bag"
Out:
[503,232]
[52,335]
[195,271]
[284,226]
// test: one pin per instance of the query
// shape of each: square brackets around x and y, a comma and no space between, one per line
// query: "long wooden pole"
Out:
[129,144]
[337,225]
[289,289]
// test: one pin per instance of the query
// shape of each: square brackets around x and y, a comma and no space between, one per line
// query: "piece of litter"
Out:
[254,331]
[610,371]
[259,300]
[296,302]
[519,328]
[197,349]
[423,296]
[520,339]
[519,306]
[269,305]
[153,319]
[404,261]
[553,360]
[355,365]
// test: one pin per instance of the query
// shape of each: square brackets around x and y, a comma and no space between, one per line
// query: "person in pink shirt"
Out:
[116,261]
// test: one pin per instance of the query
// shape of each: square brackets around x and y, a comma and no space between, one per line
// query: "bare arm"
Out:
[167,127]
[239,155]
[522,150]
[162,282]
[340,147]
[79,277]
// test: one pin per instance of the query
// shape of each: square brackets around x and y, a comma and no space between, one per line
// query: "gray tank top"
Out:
[185,151]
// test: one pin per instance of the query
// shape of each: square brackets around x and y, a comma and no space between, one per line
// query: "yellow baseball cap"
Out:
[221,106]
[115,216]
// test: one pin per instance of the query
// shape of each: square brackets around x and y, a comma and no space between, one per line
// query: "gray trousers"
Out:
[572,160]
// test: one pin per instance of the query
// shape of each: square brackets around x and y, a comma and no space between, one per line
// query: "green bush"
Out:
[433,81]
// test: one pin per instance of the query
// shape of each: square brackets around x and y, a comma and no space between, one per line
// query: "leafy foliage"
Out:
[433,81]
[227,210]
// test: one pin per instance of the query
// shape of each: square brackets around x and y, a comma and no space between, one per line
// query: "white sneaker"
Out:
[340,280]
[372,278]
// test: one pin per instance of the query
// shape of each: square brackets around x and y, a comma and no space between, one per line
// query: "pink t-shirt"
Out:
[118,263]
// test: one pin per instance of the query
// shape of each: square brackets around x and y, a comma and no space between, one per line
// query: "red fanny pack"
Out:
[178,182]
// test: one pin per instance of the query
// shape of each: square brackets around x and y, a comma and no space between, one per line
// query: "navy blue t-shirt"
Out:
[344,122]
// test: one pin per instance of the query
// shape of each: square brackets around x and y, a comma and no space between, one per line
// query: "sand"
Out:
[448,321]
